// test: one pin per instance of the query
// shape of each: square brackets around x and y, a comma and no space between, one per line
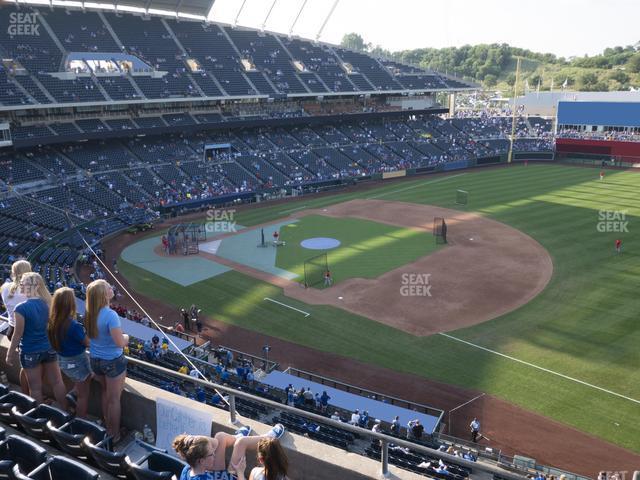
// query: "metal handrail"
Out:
[385,440]
[352,388]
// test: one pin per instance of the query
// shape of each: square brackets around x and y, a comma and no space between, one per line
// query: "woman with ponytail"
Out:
[106,348]
[30,335]
[69,339]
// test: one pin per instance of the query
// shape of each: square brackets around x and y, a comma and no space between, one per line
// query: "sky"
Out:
[563,27]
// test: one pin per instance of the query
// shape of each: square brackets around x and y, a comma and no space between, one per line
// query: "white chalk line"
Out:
[562,375]
[306,314]
[293,209]
[415,186]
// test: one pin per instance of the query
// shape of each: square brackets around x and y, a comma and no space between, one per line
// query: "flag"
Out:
[566,83]
[538,88]
[551,85]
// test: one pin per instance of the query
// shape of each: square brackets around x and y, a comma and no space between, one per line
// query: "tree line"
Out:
[616,68]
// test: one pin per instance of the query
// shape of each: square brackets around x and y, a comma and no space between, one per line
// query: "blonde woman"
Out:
[11,297]
[10,291]
[30,334]
[69,339]
[106,348]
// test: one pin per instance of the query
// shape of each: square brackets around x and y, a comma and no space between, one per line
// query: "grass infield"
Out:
[585,324]
[367,249]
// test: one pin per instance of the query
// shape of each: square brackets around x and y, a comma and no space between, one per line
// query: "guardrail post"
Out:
[232,409]
[384,451]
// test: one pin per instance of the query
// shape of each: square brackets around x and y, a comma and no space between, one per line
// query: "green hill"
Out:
[494,65]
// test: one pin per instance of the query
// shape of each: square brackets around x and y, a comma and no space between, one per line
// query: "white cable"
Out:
[142,309]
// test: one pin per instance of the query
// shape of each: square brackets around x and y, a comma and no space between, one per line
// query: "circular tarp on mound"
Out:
[320,243]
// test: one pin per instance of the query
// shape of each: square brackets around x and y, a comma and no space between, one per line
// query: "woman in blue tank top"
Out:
[106,349]
[30,335]
[69,339]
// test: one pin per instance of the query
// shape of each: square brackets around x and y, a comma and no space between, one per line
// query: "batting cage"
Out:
[315,269]
[440,230]
[186,238]
[462,197]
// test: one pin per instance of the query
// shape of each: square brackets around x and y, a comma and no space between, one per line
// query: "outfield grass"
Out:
[584,324]
[367,249]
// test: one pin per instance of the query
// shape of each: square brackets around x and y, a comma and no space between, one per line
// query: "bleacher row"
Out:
[47,437]
[230,374]
[54,436]
[228,61]
[278,154]
[115,182]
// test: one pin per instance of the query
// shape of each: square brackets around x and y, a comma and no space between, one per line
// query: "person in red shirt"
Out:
[618,246]
[601,175]
[276,235]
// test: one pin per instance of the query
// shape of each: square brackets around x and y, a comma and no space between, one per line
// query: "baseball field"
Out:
[570,353]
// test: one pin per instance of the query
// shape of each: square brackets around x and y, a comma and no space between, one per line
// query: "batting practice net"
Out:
[440,230]
[315,269]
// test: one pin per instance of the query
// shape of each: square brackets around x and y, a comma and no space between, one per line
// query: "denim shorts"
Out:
[77,368]
[109,368]
[32,360]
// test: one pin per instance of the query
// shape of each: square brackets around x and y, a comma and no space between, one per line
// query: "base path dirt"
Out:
[510,428]
[486,270]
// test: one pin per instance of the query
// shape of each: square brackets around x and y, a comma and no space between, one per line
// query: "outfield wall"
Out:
[598,147]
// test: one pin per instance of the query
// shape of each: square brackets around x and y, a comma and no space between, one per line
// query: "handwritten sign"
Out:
[175,418]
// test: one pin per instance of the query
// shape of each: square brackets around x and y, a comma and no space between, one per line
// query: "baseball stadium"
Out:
[258,232]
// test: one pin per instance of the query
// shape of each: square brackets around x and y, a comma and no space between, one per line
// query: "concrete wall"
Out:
[308,459]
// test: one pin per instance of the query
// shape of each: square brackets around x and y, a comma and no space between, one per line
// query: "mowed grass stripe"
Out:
[584,325]
[367,250]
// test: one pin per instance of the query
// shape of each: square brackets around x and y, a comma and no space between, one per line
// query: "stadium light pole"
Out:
[513,120]
[264,23]
[324,24]
[297,17]
[235,22]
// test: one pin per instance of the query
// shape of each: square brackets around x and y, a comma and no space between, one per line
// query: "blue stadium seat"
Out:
[106,459]
[70,436]
[18,451]
[34,422]
[23,403]
[61,468]
[159,466]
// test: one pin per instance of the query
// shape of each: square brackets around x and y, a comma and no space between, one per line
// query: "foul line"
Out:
[566,377]
[293,209]
[416,186]
[288,306]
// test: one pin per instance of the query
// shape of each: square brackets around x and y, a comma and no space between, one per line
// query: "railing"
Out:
[418,407]
[385,440]
[270,364]
[182,335]
[3,326]
[514,463]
